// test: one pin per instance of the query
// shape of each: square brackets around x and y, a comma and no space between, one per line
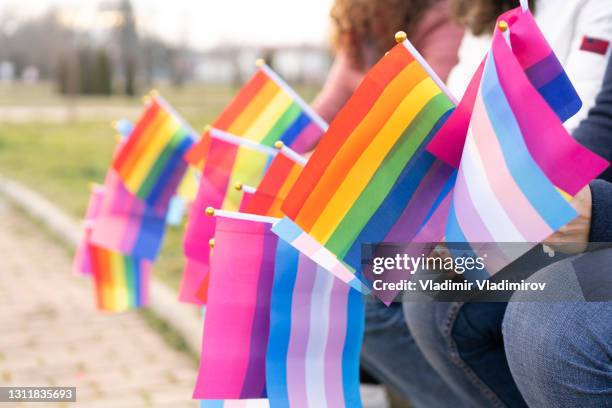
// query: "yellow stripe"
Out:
[158,141]
[268,117]
[366,165]
[188,189]
[248,169]
[252,111]
[119,283]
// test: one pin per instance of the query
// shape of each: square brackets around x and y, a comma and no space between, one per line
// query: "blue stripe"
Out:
[561,96]
[172,166]
[150,237]
[450,183]
[540,192]
[293,131]
[287,230]
[285,273]
[212,403]
[352,349]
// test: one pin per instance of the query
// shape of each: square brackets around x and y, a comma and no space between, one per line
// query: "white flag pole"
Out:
[239,141]
[525,5]
[211,212]
[290,153]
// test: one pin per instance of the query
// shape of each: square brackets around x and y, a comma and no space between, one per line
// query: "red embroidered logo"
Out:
[596,45]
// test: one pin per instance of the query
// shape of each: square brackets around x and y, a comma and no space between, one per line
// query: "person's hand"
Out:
[573,238]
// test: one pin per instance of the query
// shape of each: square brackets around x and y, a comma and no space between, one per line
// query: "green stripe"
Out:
[128,269]
[386,175]
[160,163]
[291,114]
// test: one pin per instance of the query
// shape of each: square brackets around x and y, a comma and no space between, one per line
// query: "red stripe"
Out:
[347,120]
[135,136]
[270,185]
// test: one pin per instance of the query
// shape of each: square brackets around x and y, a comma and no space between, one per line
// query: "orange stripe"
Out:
[143,142]
[293,175]
[252,111]
[345,122]
[143,123]
[358,141]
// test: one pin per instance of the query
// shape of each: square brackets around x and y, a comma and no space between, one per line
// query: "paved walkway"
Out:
[51,334]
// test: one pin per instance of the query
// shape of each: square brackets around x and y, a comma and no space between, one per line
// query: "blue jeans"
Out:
[560,352]
[390,354]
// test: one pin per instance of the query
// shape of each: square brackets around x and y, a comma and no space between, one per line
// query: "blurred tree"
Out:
[128,40]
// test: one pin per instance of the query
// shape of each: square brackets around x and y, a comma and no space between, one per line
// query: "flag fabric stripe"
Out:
[346,123]
[160,162]
[149,116]
[268,117]
[295,132]
[250,114]
[287,119]
[378,120]
[250,403]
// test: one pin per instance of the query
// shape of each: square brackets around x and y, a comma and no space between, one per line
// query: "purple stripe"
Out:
[336,337]
[544,71]
[467,216]
[255,377]
[307,138]
[433,231]
[300,330]
[413,216]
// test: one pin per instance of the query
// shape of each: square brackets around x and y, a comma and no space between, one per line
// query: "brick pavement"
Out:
[51,334]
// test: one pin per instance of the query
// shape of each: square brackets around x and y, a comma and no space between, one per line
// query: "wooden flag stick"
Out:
[401,38]
[211,212]
[261,64]
[290,153]
[246,188]
[239,141]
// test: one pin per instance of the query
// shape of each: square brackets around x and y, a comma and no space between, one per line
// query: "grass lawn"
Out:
[60,160]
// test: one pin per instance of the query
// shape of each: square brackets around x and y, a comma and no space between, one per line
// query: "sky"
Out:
[207,23]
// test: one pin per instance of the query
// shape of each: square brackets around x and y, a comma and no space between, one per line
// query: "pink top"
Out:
[437,38]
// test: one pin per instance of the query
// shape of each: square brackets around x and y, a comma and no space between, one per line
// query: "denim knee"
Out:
[560,353]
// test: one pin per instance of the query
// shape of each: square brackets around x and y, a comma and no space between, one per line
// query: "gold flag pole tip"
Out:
[238,186]
[279,144]
[207,128]
[503,26]
[260,62]
[210,211]
[400,37]
[211,243]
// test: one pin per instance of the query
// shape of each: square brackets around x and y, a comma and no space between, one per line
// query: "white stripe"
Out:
[241,141]
[317,339]
[525,5]
[248,189]
[417,56]
[485,202]
[244,216]
[298,99]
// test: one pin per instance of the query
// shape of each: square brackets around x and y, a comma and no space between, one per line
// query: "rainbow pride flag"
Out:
[505,189]
[237,323]
[316,328]
[151,163]
[543,70]
[372,160]
[121,282]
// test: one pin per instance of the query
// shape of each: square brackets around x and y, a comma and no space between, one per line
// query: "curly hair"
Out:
[479,16]
[355,22]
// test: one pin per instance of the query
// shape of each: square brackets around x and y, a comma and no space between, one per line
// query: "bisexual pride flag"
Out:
[543,71]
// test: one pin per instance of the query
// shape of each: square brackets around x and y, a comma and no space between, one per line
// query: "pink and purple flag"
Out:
[237,322]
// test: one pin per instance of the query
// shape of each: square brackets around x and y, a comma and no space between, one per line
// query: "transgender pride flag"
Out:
[515,164]
[316,328]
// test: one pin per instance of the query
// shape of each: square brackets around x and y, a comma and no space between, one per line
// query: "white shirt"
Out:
[564,23]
